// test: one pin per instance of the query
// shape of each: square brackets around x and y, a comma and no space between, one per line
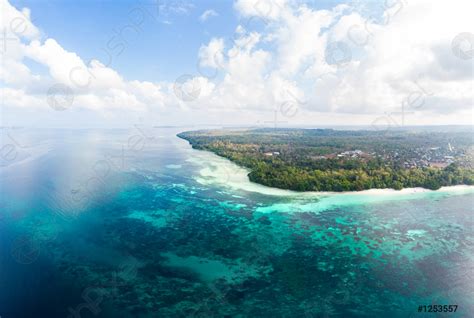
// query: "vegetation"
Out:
[336,160]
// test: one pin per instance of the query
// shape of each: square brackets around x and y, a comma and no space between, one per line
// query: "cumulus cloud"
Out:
[212,54]
[356,64]
[338,62]
[95,86]
[403,56]
[17,22]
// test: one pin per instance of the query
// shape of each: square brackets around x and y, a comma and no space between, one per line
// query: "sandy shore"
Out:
[221,171]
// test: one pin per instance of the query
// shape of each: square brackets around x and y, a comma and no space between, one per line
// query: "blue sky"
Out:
[165,48]
[329,62]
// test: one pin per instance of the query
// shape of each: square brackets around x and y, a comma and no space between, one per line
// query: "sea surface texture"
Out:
[135,223]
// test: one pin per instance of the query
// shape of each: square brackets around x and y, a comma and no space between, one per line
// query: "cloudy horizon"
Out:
[244,62]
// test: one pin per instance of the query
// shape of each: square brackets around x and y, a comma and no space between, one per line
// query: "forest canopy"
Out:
[343,160]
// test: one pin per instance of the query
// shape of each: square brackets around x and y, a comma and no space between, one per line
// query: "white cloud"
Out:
[338,62]
[300,39]
[264,9]
[17,23]
[95,86]
[408,55]
[208,14]
[212,54]
[169,10]
[18,98]
[385,63]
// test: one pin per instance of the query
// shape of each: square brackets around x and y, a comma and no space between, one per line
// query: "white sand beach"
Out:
[215,170]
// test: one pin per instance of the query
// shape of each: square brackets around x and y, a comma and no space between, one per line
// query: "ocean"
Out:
[136,223]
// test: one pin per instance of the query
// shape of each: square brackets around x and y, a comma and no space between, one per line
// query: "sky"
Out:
[264,63]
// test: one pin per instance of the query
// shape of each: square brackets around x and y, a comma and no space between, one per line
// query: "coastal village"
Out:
[435,157]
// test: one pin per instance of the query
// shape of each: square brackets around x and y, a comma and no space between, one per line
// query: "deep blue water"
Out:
[126,223]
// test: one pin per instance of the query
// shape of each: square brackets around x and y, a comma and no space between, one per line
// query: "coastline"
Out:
[222,171]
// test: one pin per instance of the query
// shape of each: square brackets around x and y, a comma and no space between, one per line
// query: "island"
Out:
[344,160]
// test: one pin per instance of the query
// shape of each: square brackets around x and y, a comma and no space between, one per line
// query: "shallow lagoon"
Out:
[106,223]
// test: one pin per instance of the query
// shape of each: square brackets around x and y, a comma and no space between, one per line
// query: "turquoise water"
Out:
[111,224]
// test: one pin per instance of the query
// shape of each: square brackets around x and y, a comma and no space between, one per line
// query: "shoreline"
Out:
[228,173]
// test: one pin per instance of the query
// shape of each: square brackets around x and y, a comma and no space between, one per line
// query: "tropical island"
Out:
[344,160]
